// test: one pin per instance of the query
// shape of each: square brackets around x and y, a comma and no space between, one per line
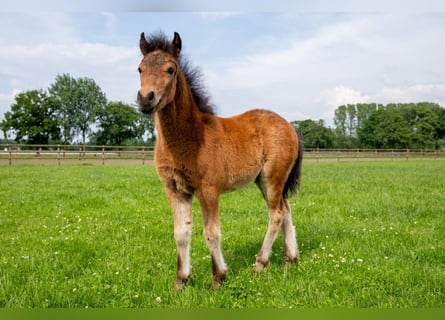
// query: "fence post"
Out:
[58,154]
[407,154]
[10,156]
[103,155]
[143,155]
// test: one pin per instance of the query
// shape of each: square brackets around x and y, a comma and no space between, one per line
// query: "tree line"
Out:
[75,110]
[377,126]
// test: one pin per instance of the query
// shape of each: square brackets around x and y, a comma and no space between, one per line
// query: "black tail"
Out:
[293,181]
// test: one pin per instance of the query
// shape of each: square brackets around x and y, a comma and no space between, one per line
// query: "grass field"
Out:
[370,235]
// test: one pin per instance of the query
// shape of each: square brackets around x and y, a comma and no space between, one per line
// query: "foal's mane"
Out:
[193,75]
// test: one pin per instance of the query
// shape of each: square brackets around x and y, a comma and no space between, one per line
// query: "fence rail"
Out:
[74,154]
[320,155]
[11,154]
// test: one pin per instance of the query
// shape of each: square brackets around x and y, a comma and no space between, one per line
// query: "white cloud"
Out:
[36,66]
[292,79]
[359,58]
[415,93]
[301,69]
[341,95]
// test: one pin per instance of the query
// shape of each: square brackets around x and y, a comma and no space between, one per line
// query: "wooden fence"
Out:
[323,155]
[11,154]
[74,154]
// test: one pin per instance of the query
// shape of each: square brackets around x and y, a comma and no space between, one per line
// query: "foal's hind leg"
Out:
[289,237]
[279,216]
[277,212]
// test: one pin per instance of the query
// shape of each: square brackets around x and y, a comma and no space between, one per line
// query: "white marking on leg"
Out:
[262,258]
[183,234]
[289,238]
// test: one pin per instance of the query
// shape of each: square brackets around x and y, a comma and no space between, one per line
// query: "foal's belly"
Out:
[238,179]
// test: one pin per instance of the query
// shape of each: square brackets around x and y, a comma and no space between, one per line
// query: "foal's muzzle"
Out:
[147,103]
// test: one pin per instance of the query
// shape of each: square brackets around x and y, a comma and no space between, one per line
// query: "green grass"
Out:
[370,234]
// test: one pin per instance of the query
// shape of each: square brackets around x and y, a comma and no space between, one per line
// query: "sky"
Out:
[299,59]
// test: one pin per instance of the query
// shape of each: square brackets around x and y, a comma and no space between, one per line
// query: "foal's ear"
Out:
[177,43]
[143,44]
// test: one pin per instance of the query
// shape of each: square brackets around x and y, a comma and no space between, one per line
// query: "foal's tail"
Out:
[293,180]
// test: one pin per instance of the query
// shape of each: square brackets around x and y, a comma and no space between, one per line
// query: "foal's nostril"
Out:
[147,99]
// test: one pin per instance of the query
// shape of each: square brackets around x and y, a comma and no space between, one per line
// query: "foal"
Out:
[202,155]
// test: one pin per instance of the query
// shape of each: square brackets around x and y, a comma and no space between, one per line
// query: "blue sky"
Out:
[300,61]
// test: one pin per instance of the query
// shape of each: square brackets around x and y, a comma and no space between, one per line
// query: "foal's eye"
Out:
[139,70]
[170,70]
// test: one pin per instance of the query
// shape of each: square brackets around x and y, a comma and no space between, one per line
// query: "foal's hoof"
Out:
[180,284]
[291,261]
[218,280]
[259,267]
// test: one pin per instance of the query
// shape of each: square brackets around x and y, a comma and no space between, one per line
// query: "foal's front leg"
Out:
[182,215]
[209,200]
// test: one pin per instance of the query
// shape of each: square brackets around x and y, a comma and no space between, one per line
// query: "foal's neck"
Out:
[179,122]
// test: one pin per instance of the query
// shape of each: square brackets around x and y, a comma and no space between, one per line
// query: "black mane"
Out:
[193,75]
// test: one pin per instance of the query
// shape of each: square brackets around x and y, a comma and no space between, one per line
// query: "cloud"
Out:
[300,65]
[415,93]
[347,59]
[341,95]
[294,76]
[36,47]
[36,66]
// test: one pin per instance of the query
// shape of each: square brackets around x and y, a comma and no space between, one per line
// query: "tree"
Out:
[416,125]
[345,121]
[440,132]
[393,131]
[118,123]
[385,128]
[79,103]
[367,132]
[90,100]
[314,134]
[426,122]
[340,125]
[352,120]
[63,91]
[364,110]
[32,118]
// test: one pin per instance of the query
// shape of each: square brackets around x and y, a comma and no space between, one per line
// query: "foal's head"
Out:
[158,72]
